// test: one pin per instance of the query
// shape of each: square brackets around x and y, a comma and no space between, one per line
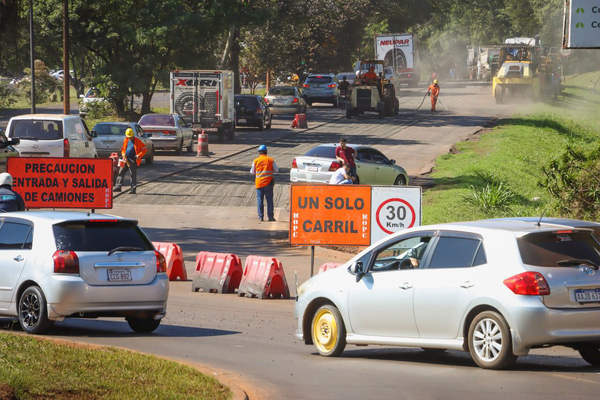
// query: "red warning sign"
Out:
[63,182]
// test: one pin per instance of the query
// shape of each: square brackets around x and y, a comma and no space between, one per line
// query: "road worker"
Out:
[434,92]
[132,152]
[263,168]
[9,199]
[370,77]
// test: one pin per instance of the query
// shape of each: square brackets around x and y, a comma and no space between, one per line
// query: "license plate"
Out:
[242,120]
[280,101]
[312,169]
[119,275]
[587,295]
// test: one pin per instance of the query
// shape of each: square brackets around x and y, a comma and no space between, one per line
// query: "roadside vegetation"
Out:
[544,163]
[32,368]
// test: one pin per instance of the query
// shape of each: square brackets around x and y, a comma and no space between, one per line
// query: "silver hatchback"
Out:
[109,138]
[495,288]
[58,265]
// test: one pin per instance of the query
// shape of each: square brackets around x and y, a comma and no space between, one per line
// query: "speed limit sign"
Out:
[394,209]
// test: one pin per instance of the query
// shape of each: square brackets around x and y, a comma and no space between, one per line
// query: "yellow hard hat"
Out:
[435,81]
[129,132]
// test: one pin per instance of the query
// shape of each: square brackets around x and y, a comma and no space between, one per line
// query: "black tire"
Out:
[179,150]
[591,354]
[396,107]
[491,330]
[308,103]
[336,102]
[261,125]
[328,331]
[190,148]
[143,325]
[348,113]
[270,122]
[400,181]
[221,135]
[33,312]
[150,160]
[499,96]
[231,132]
[381,110]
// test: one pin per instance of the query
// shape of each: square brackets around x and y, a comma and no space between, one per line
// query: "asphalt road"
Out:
[208,204]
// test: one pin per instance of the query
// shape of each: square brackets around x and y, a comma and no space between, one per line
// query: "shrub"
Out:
[45,85]
[495,196]
[8,95]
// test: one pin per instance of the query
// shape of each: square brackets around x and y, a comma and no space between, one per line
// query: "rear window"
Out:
[162,120]
[99,236]
[321,151]
[110,129]
[92,94]
[33,129]
[282,92]
[323,79]
[546,249]
[246,102]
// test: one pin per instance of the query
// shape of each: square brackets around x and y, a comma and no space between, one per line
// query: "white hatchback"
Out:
[56,265]
[52,135]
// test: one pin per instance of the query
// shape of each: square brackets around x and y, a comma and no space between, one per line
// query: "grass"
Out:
[23,102]
[513,154]
[32,368]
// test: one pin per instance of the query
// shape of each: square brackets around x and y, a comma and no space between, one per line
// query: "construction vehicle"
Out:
[373,96]
[523,71]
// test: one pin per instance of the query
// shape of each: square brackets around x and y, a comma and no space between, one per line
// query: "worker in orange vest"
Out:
[434,92]
[132,152]
[263,168]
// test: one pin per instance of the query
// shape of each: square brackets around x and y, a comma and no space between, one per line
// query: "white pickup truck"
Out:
[205,98]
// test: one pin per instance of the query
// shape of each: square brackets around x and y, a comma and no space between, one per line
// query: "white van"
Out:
[52,135]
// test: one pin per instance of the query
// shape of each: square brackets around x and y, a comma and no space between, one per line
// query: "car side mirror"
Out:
[189,125]
[392,162]
[94,134]
[359,269]
[14,141]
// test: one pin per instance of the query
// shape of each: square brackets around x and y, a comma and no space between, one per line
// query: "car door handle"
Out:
[18,258]
[467,285]
[406,286]
[87,144]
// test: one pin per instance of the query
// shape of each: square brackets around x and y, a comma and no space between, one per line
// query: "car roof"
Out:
[116,123]
[158,115]
[55,217]
[248,95]
[53,117]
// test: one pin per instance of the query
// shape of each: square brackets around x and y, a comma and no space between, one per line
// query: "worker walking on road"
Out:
[263,168]
[434,92]
[9,199]
[132,152]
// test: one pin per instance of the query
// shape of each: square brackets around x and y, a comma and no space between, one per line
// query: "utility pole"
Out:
[32,56]
[66,69]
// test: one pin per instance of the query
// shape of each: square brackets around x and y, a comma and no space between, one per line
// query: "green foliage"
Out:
[495,196]
[8,95]
[45,85]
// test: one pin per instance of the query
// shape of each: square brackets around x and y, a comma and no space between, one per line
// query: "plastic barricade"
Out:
[299,121]
[115,159]
[217,272]
[263,278]
[174,258]
[328,266]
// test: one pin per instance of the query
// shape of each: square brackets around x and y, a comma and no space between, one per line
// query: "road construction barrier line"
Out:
[263,278]
[217,272]
[174,258]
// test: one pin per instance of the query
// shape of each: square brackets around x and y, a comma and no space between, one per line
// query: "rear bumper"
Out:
[69,294]
[250,121]
[166,143]
[106,153]
[307,177]
[279,110]
[315,96]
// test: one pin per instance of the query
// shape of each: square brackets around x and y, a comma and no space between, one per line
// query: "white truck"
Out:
[205,99]
[400,51]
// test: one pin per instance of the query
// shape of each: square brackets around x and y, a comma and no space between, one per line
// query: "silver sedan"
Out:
[109,137]
[58,265]
[285,100]
[495,288]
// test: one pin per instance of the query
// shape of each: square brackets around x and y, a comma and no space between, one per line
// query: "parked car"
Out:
[285,100]
[52,135]
[91,96]
[321,88]
[7,149]
[168,132]
[252,110]
[372,167]
[109,138]
[79,265]
[494,288]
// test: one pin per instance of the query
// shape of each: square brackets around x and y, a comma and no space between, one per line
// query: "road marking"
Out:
[574,378]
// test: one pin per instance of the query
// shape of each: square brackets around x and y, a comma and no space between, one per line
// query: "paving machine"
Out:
[372,96]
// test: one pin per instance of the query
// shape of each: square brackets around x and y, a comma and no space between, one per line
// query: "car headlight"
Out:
[304,287]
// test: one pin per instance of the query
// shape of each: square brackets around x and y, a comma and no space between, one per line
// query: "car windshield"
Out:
[319,79]
[321,151]
[34,129]
[92,94]
[101,235]
[547,249]
[246,102]
[110,129]
[282,91]
[157,119]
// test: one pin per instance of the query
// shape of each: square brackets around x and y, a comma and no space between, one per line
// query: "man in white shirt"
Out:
[342,176]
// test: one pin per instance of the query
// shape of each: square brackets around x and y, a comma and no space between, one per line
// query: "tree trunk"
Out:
[268,82]
[234,63]
[146,99]
[228,45]
[120,106]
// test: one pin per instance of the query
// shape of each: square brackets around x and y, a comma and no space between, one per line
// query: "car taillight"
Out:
[66,148]
[65,262]
[305,85]
[295,100]
[258,111]
[169,133]
[266,100]
[408,75]
[528,284]
[334,166]
[294,164]
[161,263]
[332,85]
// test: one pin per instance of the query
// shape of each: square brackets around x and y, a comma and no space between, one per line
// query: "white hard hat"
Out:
[6,179]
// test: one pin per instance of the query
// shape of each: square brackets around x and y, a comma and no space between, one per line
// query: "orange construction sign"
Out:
[330,215]
[63,182]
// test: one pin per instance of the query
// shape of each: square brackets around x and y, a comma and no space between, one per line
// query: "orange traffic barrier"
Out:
[217,272]
[263,278]
[174,257]
[299,121]
[115,159]
[328,266]
[202,145]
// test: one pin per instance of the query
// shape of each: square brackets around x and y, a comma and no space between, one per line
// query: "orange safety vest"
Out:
[435,90]
[263,167]
[138,145]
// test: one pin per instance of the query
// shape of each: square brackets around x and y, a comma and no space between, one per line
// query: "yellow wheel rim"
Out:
[325,331]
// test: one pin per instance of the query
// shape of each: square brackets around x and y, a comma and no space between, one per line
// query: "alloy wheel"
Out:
[30,309]
[487,340]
